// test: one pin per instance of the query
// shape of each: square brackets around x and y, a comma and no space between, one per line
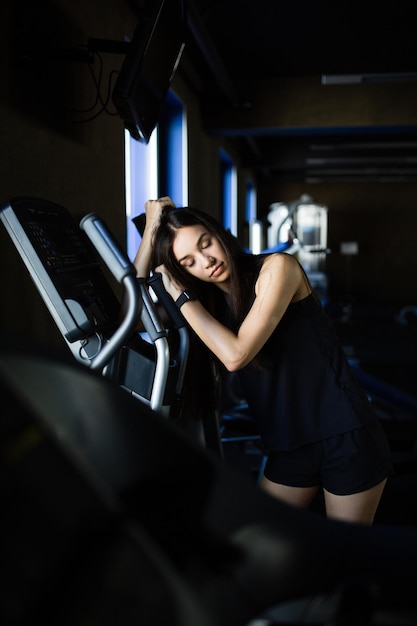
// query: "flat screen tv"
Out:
[149,66]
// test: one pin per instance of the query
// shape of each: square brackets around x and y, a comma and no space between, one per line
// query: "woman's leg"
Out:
[296,496]
[358,508]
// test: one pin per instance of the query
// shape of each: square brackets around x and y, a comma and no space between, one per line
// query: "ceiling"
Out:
[242,43]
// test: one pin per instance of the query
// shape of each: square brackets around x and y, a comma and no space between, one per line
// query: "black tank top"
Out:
[304,389]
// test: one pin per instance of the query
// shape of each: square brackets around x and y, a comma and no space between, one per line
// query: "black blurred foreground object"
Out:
[111,515]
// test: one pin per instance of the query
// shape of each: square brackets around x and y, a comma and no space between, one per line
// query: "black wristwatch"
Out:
[186,296]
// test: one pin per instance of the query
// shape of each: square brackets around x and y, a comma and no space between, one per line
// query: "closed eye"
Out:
[187,262]
[204,242]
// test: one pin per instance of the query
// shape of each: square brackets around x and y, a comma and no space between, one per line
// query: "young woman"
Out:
[259,317]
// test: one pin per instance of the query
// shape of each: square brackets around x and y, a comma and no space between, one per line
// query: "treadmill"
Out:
[65,262]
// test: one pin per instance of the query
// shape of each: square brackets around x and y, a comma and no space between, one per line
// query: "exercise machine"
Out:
[64,261]
[110,514]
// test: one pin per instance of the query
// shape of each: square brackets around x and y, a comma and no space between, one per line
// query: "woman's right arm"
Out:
[142,260]
[153,210]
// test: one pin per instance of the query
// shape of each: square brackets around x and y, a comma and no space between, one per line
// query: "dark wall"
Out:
[52,146]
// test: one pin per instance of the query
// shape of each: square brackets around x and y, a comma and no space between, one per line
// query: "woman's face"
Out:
[199,252]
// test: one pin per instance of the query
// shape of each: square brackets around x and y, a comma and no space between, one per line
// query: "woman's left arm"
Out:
[279,281]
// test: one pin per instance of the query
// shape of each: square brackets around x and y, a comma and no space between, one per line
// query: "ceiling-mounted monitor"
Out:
[149,66]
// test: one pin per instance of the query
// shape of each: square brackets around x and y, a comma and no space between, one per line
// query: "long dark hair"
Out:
[205,375]
[244,266]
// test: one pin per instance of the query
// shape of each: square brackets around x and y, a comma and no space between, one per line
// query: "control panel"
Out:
[66,271]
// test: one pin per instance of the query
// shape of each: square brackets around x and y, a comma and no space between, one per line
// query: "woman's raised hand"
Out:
[172,287]
[153,210]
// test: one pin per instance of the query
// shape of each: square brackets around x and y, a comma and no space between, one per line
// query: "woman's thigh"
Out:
[358,508]
[296,496]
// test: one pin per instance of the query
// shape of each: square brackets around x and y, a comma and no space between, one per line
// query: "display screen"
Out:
[149,66]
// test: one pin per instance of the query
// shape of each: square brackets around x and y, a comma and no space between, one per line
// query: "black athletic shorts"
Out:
[348,463]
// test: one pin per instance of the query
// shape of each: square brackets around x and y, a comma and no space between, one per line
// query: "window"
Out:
[256,244]
[172,150]
[251,202]
[141,180]
[228,186]
[157,168]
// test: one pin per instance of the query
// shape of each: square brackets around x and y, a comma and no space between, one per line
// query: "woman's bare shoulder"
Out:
[280,260]
[281,271]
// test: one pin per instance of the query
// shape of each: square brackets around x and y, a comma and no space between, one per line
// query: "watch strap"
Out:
[186,296]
